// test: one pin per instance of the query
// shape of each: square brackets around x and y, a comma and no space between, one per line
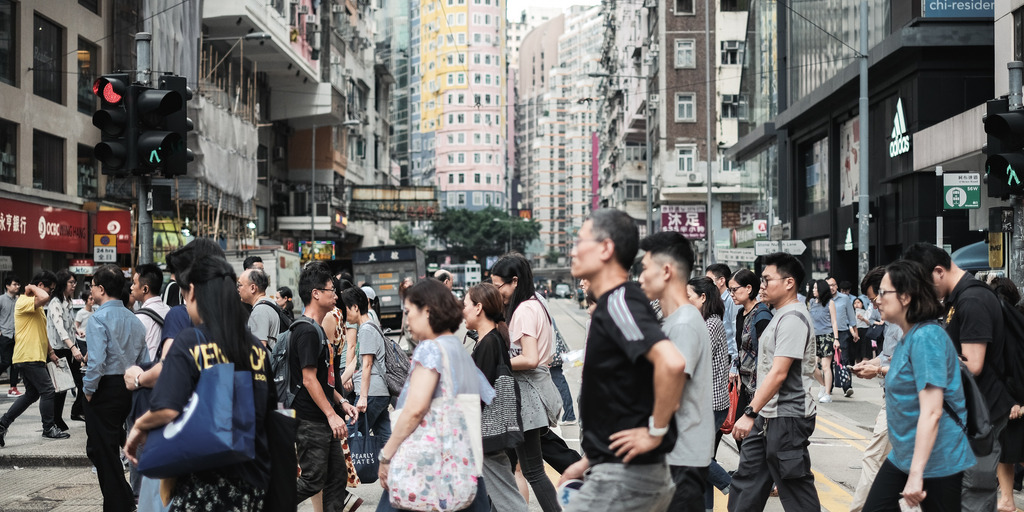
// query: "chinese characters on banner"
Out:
[689,220]
[32,226]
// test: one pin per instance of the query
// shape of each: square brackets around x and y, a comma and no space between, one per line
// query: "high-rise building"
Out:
[457,100]
[528,19]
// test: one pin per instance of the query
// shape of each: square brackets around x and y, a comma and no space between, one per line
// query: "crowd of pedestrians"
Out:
[673,361]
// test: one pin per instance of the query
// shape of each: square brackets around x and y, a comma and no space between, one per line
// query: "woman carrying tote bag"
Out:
[433,460]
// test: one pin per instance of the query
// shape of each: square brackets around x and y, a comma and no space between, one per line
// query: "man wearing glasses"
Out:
[321,460]
[777,424]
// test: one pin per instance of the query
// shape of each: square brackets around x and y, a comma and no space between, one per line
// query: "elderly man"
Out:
[264,321]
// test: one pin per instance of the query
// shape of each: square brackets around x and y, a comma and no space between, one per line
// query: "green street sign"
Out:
[961,190]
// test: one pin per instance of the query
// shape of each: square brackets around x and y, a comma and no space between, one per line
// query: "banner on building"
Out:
[393,203]
[690,220]
[34,226]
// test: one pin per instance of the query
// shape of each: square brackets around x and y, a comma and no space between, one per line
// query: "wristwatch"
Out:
[138,385]
[749,412]
[655,431]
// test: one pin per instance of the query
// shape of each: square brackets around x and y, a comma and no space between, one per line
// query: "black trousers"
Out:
[7,358]
[38,386]
[943,492]
[775,451]
[105,416]
[691,482]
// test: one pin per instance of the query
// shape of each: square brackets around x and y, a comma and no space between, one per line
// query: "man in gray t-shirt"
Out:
[264,321]
[11,288]
[777,425]
[667,261]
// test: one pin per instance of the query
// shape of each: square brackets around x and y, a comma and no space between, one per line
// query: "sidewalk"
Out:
[25,446]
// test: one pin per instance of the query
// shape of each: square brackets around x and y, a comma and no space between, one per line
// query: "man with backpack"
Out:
[311,377]
[267,319]
[145,290]
[974,321]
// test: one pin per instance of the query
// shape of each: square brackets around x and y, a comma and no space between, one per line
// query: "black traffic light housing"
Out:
[176,163]
[116,150]
[156,142]
[1004,166]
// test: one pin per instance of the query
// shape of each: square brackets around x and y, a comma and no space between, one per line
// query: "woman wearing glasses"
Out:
[929,451]
[751,320]
[532,348]
[826,333]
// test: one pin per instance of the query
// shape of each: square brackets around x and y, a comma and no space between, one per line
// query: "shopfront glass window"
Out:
[821,262]
[48,60]
[87,62]
[814,162]
[47,162]
[8,152]
[8,42]
[88,177]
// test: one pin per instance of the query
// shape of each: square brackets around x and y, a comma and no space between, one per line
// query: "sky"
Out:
[516,7]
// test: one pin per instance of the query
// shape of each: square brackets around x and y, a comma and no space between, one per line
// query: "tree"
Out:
[487,232]
[552,256]
[403,235]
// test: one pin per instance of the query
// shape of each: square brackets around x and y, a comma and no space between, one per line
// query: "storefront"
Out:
[41,237]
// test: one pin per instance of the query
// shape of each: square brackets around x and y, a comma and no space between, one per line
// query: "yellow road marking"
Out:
[836,426]
[832,496]
[839,437]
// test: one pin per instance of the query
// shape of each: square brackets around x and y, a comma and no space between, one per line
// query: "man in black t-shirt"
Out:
[632,378]
[974,321]
[321,460]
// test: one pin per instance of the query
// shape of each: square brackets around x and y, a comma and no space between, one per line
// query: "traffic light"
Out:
[1004,166]
[156,142]
[178,122]
[116,149]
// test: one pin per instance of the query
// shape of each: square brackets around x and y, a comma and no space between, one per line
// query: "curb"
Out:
[35,461]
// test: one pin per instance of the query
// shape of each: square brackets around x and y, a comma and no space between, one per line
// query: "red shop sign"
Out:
[33,226]
[116,222]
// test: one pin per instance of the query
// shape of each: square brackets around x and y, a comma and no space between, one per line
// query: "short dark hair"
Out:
[259,278]
[845,285]
[354,296]
[672,245]
[111,278]
[873,279]
[911,278]
[151,276]
[787,264]
[11,279]
[720,270]
[314,275]
[620,228]
[445,311]
[248,262]
[713,304]
[45,277]
[928,255]
[179,260]
[85,296]
[744,277]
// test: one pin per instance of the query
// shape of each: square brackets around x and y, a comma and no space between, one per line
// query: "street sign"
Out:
[735,254]
[762,248]
[961,190]
[794,247]
[6,264]
[104,248]
[82,267]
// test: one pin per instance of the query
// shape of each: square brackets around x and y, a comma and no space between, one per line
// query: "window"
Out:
[476,118]
[92,5]
[462,160]
[462,99]
[487,198]
[461,118]
[487,60]
[47,162]
[451,118]
[48,60]
[8,42]
[684,7]
[461,78]
[487,138]
[461,19]
[476,138]
[460,199]
[462,38]
[685,55]
[476,176]
[87,173]
[476,100]
[684,107]
[476,160]
[684,158]
[451,59]
[488,180]
[462,178]
[476,58]
[451,176]
[451,137]
[814,163]
[476,38]
[734,106]
[477,199]
[635,190]
[462,58]
[487,19]
[476,78]
[487,78]
[8,152]
[451,79]
[732,52]
[462,138]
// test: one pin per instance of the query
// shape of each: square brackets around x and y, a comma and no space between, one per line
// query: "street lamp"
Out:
[649,148]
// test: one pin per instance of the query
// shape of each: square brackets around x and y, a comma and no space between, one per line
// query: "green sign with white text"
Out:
[961,190]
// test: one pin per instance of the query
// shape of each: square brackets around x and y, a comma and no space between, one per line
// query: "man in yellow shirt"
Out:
[31,351]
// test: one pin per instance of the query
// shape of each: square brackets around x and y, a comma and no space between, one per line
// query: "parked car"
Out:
[563,291]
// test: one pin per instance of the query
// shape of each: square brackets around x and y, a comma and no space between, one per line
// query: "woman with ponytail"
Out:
[221,336]
[483,310]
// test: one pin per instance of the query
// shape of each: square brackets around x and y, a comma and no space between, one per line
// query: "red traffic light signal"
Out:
[117,146]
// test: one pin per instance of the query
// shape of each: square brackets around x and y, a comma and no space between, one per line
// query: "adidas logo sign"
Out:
[900,140]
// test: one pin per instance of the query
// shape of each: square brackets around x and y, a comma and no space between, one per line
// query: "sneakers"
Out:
[55,433]
[567,422]
[825,399]
[848,392]
[13,393]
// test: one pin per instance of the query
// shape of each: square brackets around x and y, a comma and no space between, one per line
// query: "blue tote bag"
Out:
[217,427]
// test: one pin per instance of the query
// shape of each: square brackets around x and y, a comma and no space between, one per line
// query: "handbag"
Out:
[435,468]
[875,333]
[350,468]
[216,428]
[501,423]
[840,374]
[730,417]
[365,450]
[60,375]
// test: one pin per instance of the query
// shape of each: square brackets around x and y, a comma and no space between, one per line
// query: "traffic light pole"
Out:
[143,65]
[1016,268]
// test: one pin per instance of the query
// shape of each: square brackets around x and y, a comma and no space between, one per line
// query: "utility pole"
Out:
[863,200]
[709,229]
[143,65]
[312,196]
[1016,268]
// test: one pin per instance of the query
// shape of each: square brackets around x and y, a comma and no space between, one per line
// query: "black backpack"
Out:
[279,361]
[282,317]
[978,427]
[1013,351]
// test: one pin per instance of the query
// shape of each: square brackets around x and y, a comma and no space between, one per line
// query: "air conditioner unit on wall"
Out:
[654,98]
[693,177]
[303,9]
[311,19]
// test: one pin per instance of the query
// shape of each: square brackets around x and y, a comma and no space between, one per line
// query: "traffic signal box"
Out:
[1005,149]
[144,130]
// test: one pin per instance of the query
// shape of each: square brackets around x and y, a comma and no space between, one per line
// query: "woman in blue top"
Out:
[826,334]
[929,451]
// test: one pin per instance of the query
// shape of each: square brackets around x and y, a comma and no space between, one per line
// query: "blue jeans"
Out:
[717,476]
[377,417]
[569,414]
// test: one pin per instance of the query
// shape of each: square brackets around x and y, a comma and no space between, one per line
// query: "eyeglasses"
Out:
[578,241]
[766,280]
[881,294]
[502,285]
[331,290]
[732,289]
